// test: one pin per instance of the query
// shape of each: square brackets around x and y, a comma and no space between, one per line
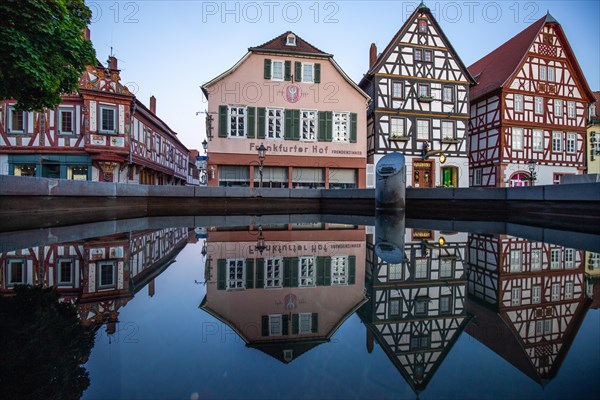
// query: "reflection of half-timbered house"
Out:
[99,275]
[530,103]
[416,309]
[420,107]
[294,294]
[530,295]
[99,133]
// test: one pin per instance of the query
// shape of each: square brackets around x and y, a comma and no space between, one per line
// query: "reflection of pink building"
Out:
[296,101]
[291,297]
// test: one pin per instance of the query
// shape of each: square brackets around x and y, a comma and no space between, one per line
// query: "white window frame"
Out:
[518,103]
[517,139]
[446,267]
[115,111]
[291,40]
[571,143]
[539,105]
[426,93]
[543,72]
[394,84]
[569,290]
[313,116]
[515,296]
[244,117]
[516,260]
[537,143]
[535,264]
[273,277]
[395,272]
[341,127]
[421,268]
[551,75]
[312,67]
[536,294]
[307,271]
[100,265]
[445,134]
[271,121]
[9,114]
[555,258]
[62,110]
[273,77]
[59,269]
[571,109]
[557,142]
[477,176]
[447,90]
[339,270]
[236,283]
[569,257]
[421,123]
[394,124]
[275,320]
[304,323]
[394,307]
[555,292]
[448,309]
[558,108]
[10,279]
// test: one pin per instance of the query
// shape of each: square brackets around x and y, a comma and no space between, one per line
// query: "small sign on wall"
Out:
[97,254]
[117,141]
[98,140]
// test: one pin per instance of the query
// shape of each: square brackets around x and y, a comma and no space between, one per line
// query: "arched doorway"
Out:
[520,179]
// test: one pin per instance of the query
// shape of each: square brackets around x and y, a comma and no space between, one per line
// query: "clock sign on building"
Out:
[295,101]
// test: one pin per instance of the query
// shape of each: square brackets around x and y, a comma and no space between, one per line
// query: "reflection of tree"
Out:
[42,345]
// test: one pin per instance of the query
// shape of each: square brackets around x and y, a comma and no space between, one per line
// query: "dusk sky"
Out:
[170,48]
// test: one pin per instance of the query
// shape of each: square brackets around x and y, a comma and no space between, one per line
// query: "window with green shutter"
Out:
[222,121]
[325,126]
[315,323]
[221,274]
[288,71]
[249,273]
[260,273]
[251,122]
[298,71]
[317,73]
[295,324]
[261,123]
[353,127]
[292,125]
[267,68]
[351,270]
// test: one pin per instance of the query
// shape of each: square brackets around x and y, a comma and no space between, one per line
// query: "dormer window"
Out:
[291,40]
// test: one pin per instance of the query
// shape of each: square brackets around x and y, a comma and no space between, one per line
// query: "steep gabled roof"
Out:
[278,45]
[495,69]
[421,9]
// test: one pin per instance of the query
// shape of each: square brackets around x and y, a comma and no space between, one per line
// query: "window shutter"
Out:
[265,325]
[285,322]
[329,126]
[287,75]
[322,126]
[298,72]
[261,123]
[295,124]
[287,272]
[260,273]
[314,323]
[327,271]
[267,68]
[289,124]
[251,122]
[321,271]
[351,270]
[249,273]
[295,324]
[221,274]
[317,73]
[222,121]
[294,261]
[353,127]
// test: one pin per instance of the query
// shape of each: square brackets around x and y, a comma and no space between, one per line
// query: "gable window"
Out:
[557,141]
[273,272]
[538,140]
[291,40]
[309,125]
[555,292]
[274,124]
[237,121]
[418,55]
[339,270]
[397,90]
[515,261]
[448,94]
[518,103]
[422,129]
[569,258]
[517,138]
[422,26]
[427,56]
[536,294]
[277,70]
[571,109]
[236,271]
[568,290]
[65,121]
[65,272]
[571,142]
[558,108]
[397,127]
[308,74]
[15,272]
[341,127]
[424,90]
[536,260]
[516,296]
[448,130]
[108,119]
[539,105]
[543,72]
[550,74]
[16,120]
[307,272]
[555,256]
[106,274]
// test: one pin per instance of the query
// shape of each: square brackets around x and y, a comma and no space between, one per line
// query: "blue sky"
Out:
[169,48]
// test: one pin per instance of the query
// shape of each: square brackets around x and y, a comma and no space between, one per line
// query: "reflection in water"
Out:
[287,288]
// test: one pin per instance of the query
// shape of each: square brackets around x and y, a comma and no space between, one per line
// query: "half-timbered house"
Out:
[416,309]
[287,288]
[420,107]
[529,108]
[295,101]
[531,294]
[102,132]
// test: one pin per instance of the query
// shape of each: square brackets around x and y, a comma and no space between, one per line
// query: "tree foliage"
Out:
[43,50]
[43,346]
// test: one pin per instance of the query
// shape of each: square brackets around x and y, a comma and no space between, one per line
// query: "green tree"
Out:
[42,346]
[42,50]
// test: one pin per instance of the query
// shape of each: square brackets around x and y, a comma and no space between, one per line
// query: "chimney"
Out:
[86,33]
[112,62]
[372,55]
[153,104]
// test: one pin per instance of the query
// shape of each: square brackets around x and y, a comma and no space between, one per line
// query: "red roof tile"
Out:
[278,45]
[492,71]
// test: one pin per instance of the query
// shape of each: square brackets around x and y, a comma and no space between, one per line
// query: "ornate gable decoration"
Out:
[103,80]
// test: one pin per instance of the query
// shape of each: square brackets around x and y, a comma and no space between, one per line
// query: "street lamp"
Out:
[531,164]
[205,145]
[261,158]
[260,244]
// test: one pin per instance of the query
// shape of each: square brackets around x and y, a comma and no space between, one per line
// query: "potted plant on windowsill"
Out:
[450,139]
[399,138]
[426,98]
